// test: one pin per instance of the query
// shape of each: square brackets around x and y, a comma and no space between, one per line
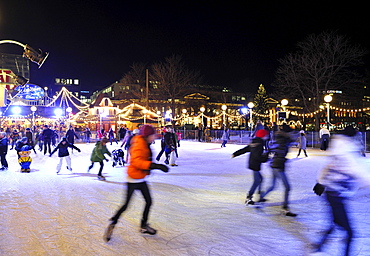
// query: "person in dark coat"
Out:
[163,145]
[280,149]
[54,137]
[111,136]
[15,137]
[47,134]
[256,158]
[29,136]
[71,135]
[122,132]
[63,153]
[170,143]
[3,151]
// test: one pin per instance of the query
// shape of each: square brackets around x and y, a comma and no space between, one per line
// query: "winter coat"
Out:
[63,148]
[345,169]
[280,149]
[47,134]
[4,146]
[302,142]
[98,152]
[140,158]
[225,135]
[170,140]
[255,157]
[70,135]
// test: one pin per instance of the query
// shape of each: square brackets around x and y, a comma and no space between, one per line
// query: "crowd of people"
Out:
[337,180]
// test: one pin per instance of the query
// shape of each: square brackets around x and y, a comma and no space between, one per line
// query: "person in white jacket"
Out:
[339,180]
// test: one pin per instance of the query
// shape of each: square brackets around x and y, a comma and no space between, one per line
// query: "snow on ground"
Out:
[198,208]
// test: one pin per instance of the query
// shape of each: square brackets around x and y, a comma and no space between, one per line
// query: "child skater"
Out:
[98,156]
[63,153]
[140,166]
[302,143]
[255,159]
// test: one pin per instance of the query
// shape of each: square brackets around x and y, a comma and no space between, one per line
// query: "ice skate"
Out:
[249,202]
[146,229]
[101,177]
[286,212]
[109,231]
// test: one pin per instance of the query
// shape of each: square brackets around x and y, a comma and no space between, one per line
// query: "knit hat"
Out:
[261,133]
[146,130]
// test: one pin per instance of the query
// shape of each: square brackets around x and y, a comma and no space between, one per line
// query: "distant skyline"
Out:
[231,44]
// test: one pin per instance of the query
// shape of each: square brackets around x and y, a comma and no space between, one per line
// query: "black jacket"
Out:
[63,148]
[4,146]
[280,149]
[255,157]
[47,134]
[70,135]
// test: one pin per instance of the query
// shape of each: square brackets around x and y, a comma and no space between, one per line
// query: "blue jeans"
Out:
[279,173]
[257,181]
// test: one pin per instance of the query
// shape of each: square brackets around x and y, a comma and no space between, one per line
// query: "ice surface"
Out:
[198,208]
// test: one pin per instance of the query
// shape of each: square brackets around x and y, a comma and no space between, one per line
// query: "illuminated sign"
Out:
[30,92]
[6,77]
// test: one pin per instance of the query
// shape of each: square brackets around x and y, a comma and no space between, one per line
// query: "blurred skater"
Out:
[63,153]
[280,149]
[324,136]
[339,179]
[225,137]
[140,166]
[256,158]
[111,136]
[302,143]
[3,151]
[98,155]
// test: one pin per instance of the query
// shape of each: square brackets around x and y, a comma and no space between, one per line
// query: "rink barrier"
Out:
[237,137]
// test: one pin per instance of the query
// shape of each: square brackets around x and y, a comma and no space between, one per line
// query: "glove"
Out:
[319,189]
[106,160]
[161,167]
[79,150]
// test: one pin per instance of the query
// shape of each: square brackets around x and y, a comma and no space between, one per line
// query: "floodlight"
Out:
[16,110]
[36,56]
[58,112]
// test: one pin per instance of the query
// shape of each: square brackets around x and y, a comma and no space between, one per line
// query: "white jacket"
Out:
[346,169]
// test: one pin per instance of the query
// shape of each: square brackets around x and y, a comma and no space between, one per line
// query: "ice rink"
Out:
[198,208]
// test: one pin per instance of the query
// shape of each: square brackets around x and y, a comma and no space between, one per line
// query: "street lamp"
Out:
[224,107]
[101,115]
[328,98]
[284,102]
[244,112]
[145,111]
[159,115]
[68,110]
[251,106]
[33,109]
[202,109]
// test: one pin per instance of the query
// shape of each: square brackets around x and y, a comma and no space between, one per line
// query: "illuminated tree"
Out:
[260,100]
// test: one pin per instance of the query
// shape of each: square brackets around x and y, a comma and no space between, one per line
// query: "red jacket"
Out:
[140,158]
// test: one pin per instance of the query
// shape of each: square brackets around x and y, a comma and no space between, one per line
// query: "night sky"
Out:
[231,43]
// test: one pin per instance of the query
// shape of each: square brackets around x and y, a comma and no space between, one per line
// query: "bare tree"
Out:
[322,62]
[136,78]
[174,79]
